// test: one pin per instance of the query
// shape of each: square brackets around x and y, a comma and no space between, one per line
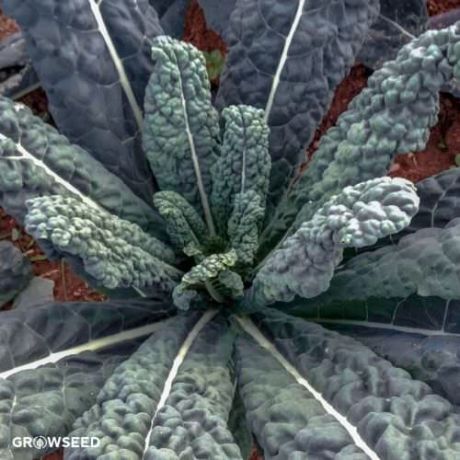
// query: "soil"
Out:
[67,286]
[7,26]
[198,33]
[443,146]
[436,7]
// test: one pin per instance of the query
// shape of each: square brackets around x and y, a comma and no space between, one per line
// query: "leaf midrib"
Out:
[117,61]
[249,327]
[178,360]
[195,161]
[283,59]
[93,345]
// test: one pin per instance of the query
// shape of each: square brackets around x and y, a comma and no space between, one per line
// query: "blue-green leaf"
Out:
[36,160]
[425,263]
[273,64]
[204,275]
[185,227]
[93,59]
[304,263]
[244,226]
[286,414]
[181,126]
[244,162]
[392,115]
[172,396]
[379,405]
[399,22]
[439,201]
[201,396]
[55,358]
[418,334]
[115,252]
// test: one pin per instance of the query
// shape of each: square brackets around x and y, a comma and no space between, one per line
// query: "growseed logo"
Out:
[48,442]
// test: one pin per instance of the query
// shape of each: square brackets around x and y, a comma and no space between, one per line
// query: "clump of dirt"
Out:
[436,7]
[442,147]
[7,26]
[198,33]
[38,102]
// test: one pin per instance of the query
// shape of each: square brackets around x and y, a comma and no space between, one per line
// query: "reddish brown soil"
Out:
[443,145]
[7,26]
[38,103]
[198,33]
[441,6]
[58,455]
[67,285]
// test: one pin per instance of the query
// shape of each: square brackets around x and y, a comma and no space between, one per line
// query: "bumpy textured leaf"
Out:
[244,226]
[201,396]
[218,14]
[55,358]
[392,115]
[425,262]
[275,48]
[172,396]
[232,283]
[127,402]
[15,272]
[244,162]
[284,416]
[203,274]
[441,21]
[419,334]
[209,268]
[172,17]
[432,359]
[304,264]
[392,413]
[115,252]
[38,292]
[439,201]
[36,160]
[185,227]
[93,59]
[13,51]
[181,126]
[439,204]
[428,355]
[399,22]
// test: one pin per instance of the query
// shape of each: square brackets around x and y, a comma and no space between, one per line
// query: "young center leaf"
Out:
[181,126]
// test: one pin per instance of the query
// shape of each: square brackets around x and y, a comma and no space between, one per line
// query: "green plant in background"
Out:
[215,61]
[192,218]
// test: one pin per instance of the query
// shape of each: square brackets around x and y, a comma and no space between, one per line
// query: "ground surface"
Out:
[443,146]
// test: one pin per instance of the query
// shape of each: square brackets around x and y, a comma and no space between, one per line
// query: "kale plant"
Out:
[214,251]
